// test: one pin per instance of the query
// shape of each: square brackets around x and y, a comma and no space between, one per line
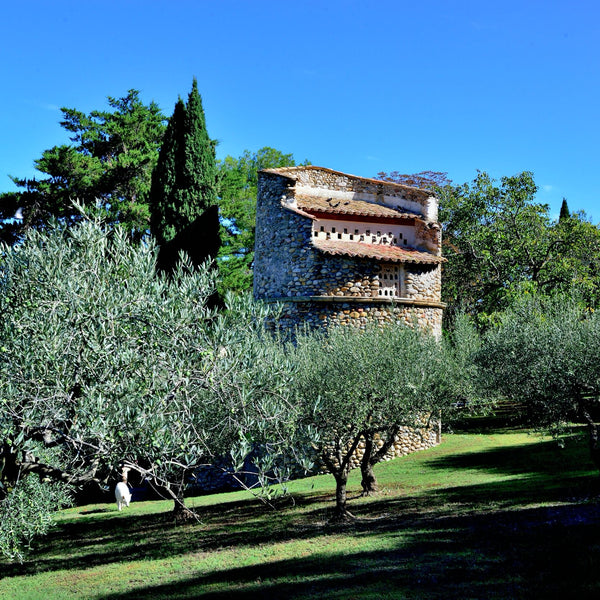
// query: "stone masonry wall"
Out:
[316,314]
[317,177]
[423,283]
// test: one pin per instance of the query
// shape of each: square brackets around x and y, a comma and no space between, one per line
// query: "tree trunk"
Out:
[338,464]
[594,433]
[181,513]
[368,483]
[341,513]
[372,456]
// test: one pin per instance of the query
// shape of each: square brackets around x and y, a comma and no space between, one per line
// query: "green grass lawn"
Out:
[484,515]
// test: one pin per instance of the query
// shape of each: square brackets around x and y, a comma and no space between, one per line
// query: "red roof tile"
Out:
[376,251]
[361,208]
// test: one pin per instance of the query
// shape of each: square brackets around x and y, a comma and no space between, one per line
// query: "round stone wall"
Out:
[328,312]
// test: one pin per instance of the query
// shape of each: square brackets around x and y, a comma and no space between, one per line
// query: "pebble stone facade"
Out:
[337,249]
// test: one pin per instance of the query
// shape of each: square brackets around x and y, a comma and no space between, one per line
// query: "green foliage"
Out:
[391,374]
[26,512]
[107,362]
[545,354]
[354,384]
[185,178]
[108,169]
[499,243]
[237,206]
[100,350]
[252,387]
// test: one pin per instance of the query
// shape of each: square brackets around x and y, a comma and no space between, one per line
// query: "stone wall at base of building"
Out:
[407,441]
[327,312]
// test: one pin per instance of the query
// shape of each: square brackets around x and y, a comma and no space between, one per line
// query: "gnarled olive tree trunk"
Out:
[338,464]
[373,455]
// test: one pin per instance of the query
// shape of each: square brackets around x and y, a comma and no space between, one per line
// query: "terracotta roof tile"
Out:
[376,251]
[361,208]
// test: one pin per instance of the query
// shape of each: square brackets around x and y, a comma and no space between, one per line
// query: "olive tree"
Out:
[545,354]
[105,364]
[27,513]
[358,385]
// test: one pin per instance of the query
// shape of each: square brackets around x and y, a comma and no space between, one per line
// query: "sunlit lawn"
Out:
[496,515]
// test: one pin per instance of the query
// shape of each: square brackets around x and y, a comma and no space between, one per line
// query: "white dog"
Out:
[122,494]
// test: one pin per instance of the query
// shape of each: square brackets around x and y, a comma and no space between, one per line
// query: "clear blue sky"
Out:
[356,86]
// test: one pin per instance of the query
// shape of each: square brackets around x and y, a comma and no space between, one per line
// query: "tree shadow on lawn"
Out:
[545,457]
[481,538]
[541,552]
[89,542]
[538,472]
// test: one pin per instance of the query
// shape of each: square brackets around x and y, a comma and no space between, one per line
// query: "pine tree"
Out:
[184,180]
[107,167]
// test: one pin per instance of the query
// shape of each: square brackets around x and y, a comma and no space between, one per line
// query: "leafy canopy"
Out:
[545,354]
[104,362]
[355,384]
[107,168]
[499,243]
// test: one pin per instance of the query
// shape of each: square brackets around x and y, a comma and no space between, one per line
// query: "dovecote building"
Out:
[333,248]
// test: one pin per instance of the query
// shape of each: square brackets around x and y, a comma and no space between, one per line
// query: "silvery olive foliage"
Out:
[355,384]
[105,363]
[27,513]
[545,354]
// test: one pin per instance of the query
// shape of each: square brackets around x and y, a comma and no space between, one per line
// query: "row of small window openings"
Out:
[388,292]
[362,236]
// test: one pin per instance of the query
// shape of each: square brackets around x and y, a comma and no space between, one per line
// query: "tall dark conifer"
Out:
[183,198]
[564,210]
[184,181]
[164,197]
[200,169]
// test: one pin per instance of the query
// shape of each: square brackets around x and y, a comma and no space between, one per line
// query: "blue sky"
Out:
[356,86]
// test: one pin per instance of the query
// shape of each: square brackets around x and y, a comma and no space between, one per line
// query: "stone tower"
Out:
[333,248]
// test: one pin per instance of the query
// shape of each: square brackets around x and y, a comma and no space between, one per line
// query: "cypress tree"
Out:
[564,211]
[165,179]
[184,180]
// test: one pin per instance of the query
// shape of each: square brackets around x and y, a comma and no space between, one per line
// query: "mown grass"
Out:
[485,515]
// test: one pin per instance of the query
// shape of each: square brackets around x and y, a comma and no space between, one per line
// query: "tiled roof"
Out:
[376,251]
[361,208]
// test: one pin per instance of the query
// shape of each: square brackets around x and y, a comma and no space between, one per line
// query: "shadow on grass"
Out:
[95,511]
[545,457]
[89,542]
[534,553]
[462,541]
